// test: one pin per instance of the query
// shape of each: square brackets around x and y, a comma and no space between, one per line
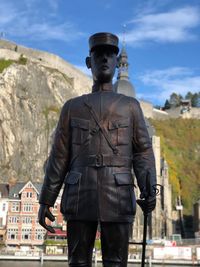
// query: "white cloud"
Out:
[28,21]
[45,31]
[164,82]
[172,26]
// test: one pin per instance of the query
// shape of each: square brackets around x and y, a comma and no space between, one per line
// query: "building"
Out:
[19,207]
[4,191]
[123,85]
[160,221]
[196,219]
[166,201]
[23,229]
[56,243]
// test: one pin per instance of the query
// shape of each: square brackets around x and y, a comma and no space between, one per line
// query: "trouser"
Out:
[114,243]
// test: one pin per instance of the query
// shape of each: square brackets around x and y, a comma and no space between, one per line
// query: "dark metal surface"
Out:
[94,151]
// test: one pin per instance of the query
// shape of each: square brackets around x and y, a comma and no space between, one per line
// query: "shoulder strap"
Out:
[103,130]
[91,134]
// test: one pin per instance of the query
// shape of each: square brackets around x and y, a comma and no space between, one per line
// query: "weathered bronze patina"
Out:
[100,137]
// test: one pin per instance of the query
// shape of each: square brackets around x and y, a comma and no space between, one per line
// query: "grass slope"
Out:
[180,145]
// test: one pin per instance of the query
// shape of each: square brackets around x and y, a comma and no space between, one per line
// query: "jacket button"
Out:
[115,151]
[93,131]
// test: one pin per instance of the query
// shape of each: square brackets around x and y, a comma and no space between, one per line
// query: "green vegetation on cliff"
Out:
[180,146]
[5,63]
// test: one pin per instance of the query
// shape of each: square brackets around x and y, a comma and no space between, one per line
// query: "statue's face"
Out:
[103,64]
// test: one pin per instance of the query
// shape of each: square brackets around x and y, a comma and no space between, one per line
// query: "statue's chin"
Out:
[104,78]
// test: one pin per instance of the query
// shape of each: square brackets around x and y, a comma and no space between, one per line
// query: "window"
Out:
[26,234]
[39,234]
[28,207]
[29,194]
[13,219]
[15,206]
[12,234]
[4,207]
[1,221]
[55,207]
[27,220]
[29,185]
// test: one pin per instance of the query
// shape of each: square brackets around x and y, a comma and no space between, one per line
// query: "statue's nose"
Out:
[105,59]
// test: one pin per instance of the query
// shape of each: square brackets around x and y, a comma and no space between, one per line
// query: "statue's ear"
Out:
[88,62]
[117,62]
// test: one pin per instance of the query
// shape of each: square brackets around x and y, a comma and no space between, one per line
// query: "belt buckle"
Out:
[99,160]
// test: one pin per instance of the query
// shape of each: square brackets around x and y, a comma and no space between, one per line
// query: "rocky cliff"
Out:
[32,93]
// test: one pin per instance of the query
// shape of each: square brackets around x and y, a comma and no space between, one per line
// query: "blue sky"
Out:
[162,37]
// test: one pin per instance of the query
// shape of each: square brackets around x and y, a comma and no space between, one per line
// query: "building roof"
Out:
[123,85]
[15,190]
[58,232]
[4,190]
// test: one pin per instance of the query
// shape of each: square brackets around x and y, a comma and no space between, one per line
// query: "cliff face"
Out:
[31,96]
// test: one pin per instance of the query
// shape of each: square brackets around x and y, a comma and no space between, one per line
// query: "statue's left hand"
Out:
[147,205]
[44,213]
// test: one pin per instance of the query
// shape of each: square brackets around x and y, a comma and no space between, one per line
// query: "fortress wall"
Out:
[195,113]
[174,112]
[9,54]
[7,45]
[160,114]
[147,109]
[82,83]
[192,113]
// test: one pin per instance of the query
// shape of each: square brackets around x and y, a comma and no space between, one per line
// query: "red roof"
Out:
[58,232]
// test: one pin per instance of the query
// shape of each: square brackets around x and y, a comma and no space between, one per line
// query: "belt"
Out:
[102,160]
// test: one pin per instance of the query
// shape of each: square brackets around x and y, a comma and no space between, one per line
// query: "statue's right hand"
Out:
[44,213]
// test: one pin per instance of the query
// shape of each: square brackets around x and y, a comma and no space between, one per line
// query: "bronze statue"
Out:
[99,138]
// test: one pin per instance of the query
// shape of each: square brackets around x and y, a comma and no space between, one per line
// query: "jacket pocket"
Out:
[126,195]
[119,131]
[80,130]
[70,197]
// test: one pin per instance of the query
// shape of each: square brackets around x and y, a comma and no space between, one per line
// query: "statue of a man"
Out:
[100,138]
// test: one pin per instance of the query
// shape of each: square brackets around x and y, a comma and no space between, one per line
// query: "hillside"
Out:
[180,145]
[32,92]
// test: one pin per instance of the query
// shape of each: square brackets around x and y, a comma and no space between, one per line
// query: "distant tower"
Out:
[123,85]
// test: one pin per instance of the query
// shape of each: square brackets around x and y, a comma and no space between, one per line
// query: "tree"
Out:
[174,100]
[167,105]
[195,101]
[189,96]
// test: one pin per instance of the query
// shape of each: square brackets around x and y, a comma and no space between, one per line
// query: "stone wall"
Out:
[82,83]
[9,54]
[160,114]
[147,108]
[193,113]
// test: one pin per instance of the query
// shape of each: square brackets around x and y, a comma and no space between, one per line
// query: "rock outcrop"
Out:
[32,93]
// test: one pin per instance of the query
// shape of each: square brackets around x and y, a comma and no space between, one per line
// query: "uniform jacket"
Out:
[97,176]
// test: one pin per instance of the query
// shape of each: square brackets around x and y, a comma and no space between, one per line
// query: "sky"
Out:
[162,37]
